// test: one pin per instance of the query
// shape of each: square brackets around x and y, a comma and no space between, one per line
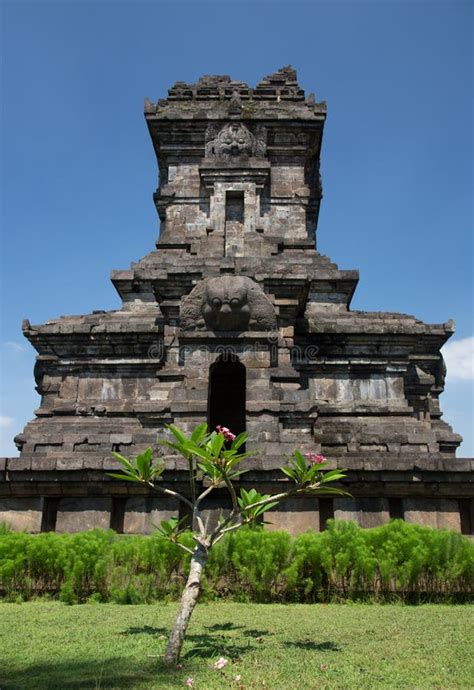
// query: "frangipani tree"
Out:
[213,462]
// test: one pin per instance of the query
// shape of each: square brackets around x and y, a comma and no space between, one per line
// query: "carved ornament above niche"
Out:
[235,140]
[227,303]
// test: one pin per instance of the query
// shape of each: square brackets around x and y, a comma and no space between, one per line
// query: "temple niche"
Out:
[237,319]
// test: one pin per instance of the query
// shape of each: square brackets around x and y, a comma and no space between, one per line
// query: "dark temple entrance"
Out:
[226,404]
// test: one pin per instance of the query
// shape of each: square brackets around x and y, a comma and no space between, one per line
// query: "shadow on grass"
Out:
[208,645]
[224,626]
[73,674]
[128,672]
[314,646]
[258,634]
[146,630]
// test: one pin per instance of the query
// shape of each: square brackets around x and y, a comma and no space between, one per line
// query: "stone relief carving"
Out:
[227,303]
[234,140]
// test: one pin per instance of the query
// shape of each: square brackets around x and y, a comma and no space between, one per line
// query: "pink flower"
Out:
[189,682]
[228,435]
[315,458]
[220,663]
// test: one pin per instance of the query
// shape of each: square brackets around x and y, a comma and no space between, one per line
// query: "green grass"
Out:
[276,647]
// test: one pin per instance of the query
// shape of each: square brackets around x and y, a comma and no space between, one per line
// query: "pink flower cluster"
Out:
[228,435]
[314,458]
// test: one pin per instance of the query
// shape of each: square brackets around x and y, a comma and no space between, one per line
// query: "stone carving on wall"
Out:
[235,140]
[227,303]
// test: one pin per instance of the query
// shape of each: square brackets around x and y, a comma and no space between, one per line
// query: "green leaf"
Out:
[332,476]
[127,477]
[175,446]
[122,460]
[139,464]
[171,529]
[239,440]
[203,454]
[233,475]
[326,490]
[318,466]
[207,469]
[263,509]
[177,433]
[232,453]
[216,443]
[300,459]
[210,471]
[199,433]
[289,472]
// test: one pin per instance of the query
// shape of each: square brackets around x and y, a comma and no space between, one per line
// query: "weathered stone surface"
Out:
[22,514]
[144,514]
[78,514]
[433,512]
[295,515]
[236,277]
[366,511]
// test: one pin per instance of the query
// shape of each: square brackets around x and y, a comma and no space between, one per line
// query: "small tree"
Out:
[213,461]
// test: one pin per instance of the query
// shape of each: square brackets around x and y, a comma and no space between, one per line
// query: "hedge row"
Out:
[344,562]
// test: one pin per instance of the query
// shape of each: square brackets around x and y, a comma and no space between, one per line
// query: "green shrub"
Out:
[249,565]
[67,594]
[410,560]
[344,562]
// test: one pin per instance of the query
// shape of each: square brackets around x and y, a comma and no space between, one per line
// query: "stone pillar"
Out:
[433,512]
[22,514]
[143,514]
[295,515]
[79,514]
[366,511]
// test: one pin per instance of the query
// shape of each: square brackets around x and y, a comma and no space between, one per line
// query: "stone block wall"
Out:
[432,492]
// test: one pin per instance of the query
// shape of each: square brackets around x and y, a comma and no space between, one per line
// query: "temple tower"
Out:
[237,319]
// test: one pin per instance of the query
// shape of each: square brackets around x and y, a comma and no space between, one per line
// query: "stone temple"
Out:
[236,319]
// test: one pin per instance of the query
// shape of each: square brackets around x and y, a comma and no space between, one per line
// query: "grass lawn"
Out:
[276,647]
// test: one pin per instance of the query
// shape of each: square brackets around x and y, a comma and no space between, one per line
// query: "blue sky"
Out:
[79,171]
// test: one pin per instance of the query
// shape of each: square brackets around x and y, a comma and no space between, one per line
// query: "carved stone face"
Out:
[235,140]
[227,303]
[232,140]
[226,306]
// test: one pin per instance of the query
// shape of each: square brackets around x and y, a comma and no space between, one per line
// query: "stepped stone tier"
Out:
[237,319]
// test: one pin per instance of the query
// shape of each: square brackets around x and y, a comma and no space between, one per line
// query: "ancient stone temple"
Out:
[236,319]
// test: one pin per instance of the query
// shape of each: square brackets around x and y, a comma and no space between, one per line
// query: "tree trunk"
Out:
[188,602]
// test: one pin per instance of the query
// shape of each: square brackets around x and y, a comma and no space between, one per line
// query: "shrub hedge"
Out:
[345,562]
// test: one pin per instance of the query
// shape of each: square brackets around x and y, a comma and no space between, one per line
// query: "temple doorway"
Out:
[226,403]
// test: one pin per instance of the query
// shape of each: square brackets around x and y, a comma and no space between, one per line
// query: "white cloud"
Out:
[459,357]
[14,346]
[6,422]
